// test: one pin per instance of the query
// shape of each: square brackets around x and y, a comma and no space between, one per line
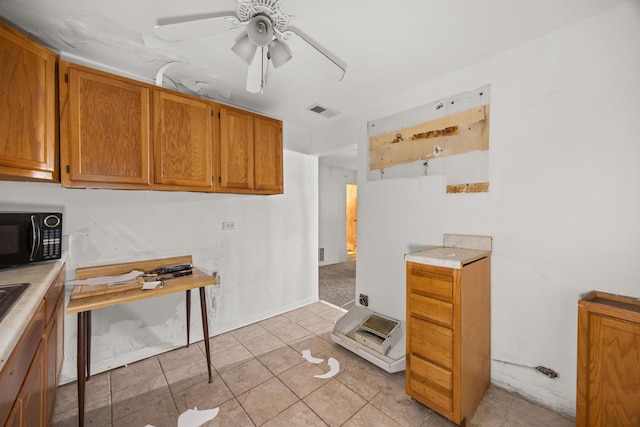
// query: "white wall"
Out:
[564,200]
[332,217]
[267,266]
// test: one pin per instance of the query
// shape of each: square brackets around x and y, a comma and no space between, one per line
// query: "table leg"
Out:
[188,315]
[82,336]
[88,342]
[205,329]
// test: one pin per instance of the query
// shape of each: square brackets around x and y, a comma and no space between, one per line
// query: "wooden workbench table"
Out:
[86,298]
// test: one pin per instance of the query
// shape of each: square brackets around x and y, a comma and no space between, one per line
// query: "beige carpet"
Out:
[337,283]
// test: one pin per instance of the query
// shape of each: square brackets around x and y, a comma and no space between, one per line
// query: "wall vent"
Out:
[320,254]
[323,111]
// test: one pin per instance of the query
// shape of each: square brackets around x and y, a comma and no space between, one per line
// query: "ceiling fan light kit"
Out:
[245,49]
[268,38]
[279,53]
[260,30]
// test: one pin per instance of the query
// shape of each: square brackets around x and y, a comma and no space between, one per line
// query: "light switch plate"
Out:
[228,225]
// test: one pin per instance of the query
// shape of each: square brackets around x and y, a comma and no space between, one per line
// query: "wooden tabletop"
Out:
[91,297]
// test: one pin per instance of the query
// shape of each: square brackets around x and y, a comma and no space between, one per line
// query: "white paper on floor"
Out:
[194,417]
[334,368]
[309,358]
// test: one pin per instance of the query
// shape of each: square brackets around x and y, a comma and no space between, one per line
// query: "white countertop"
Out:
[40,275]
[442,256]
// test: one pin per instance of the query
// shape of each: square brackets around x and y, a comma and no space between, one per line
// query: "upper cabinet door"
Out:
[28,123]
[104,129]
[268,155]
[183,140]
[236,149]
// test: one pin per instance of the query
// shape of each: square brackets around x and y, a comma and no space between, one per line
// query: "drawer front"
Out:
[432,309]
[426,282]
[431,341]
[431,382]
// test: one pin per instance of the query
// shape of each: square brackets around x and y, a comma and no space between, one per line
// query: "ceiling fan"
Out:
[268,37]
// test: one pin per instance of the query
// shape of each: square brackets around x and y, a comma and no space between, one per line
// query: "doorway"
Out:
[352,218]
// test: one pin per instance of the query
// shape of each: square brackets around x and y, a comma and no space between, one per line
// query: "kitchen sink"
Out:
[9,294]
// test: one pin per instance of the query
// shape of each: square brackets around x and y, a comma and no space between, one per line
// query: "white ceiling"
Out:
[388,47]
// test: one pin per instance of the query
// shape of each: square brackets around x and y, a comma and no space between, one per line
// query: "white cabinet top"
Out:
[458,250]
[40,275]
[447,256]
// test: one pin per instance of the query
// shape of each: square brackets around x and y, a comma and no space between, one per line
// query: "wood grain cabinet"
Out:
[448,337]
[183,140]
[28,119]
[29,379]
[105,129]
[608,377]
[249,153]
[268,155]
[53,341]
[235,154]
[119,133]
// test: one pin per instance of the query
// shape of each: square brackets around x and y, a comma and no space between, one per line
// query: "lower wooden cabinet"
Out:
[449,337]
[52,340]
[29,379]
[34,393]
[608,377]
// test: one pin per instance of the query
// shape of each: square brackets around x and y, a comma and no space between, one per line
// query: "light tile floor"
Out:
[261,379]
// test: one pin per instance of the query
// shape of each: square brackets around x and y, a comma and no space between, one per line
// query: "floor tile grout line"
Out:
[173,399]
[243,363]
[148,404]
[311,409]
[111,397]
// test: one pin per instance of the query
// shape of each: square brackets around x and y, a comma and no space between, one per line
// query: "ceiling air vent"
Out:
[323,111]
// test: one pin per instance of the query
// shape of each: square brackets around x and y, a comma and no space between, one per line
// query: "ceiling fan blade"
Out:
[303,47]
[217,24]
[257,72]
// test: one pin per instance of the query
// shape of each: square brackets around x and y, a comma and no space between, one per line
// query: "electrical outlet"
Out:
[229,225]
[363,300]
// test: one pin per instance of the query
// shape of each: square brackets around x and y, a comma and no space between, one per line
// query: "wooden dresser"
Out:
[449,329]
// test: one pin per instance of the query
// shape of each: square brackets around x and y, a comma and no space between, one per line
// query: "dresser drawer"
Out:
[432,309]
[431,283]
[432,342]
[431,382]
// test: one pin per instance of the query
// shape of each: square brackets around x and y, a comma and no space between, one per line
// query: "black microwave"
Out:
[29,237]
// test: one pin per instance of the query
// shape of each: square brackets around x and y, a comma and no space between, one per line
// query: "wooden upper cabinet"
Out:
[119,133]
[28,123]
[250,153]
[183,140]
[236,149]
[268,155]
[105,129]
